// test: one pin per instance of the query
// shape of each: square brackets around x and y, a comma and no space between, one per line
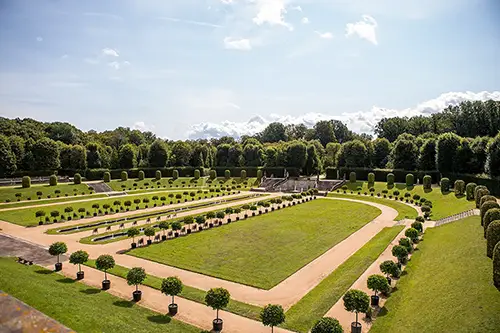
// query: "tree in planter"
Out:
[246,207]
[164,225]
[418,226]
[55,214]
[496,266]
[217,299]
[210,215]
[135,277]
[220,215]
[56,249]
[137,202]
[492,237]
[356,301]
[78,258]
[401,253]
[200,220]
[237,211]
[272,315]
[172,286]
[176,226]
[377,283]
[95,207]
[390,269]
[150,232]
[132,232]
[412,234]
[103,263]
[327,325]
[40,214]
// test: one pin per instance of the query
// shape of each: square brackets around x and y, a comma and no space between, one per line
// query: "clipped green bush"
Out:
[390,268]
[492,237]
[427,182]
[227,174]
[327,325]
[212,174]
[496,266]
[371,179]
[445,185]
[26,182]
[491,215]
[470,191]
[141,175]
[196,174]
[157,174]
[412,233]
[479,192]
[459,187]
[124,175]
[272,315]
[390,179]
[410,180]
[485,198]
[77,179]
[243,174]
[418,226]
[485,207]
[107,177]
[53,180]
[259,174]
[175,174]
[352,177]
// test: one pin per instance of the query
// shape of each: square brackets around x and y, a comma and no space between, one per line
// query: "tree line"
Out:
[402,143]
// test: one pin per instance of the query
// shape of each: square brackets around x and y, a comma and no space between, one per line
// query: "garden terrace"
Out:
[450,296]
[129,219]
[38,192]
[443,204]
[27,216]
[252,254]
[80,307]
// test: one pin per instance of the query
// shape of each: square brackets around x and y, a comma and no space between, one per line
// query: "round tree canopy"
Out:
[78,257]
[58,248]
[272,315]
[171,286]
[217,298]
[136,276]
[105,262]
[327,325]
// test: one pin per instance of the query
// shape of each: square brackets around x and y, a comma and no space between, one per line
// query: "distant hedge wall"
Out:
[380,174]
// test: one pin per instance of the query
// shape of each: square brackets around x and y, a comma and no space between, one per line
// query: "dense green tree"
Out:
[313,163]
[181,154]
[272,315]
[252,155]
[391,128]
[46,155]
[274,132]
[327,325]
[427,155]
[17,147]
[271,157]
[7,157]
[352,154]
[158,154]
[330,159]
[493,160]
[342,133]
[296,155]
[446,151]
[381,150]
[404,154]
[479,148]
[63,132]
[324,132]
[295,131]
[127,156]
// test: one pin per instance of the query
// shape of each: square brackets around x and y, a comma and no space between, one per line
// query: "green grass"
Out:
[448,286]
[404,211]
[9,193]
[193,294]
[312,307]
[264,250]
[79,307]
[26,216]
[180,183]
[444,205]
[51,201]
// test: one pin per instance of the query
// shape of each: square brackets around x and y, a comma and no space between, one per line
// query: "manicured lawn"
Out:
[444,205]
[26,216]
[312,307]
[79,307]
[404,211]
[54,200]
[179,183]
[448,287]
[264,250]
[193,294]
[9,193]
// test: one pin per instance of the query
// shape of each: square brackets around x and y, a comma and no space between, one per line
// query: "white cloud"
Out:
[363,29]
[39,39]
[109,52]
[271,12]
[200,23]
[325,35]
[114,64]
[360,122]
[305,20]
[142,126]
[297,8]
[241,44]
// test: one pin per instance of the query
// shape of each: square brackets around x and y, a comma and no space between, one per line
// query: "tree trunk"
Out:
[79,268]
[356,316]
[217,314]
[173,299]
[57,258]
[136,287]
[105,276]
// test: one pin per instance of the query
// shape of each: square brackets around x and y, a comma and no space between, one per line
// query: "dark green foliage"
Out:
[26,182]
[390,268]
[420,218]
[352,177]
[7,158]
[405,153]
[381,150]
[427,157]
[78,258]
[390,179]
[212,174]
[487,206]
[175,174]
[171,286]
[410,180]
[400,252]
[412,234]
[149,231]
[496,266]
[491,215]
[407,244]
[486,198]
[353,154]
[446,151]
[445,185]
[417,226]
[136,276]
[132,232]
[272,315]
[493,160]
[58,248]
[77,179]
[158,154]
[104,262]
[127,156]
[356,301]
[124,175]
[157,174]
[459,187]
[371,179]
[377,283]
[217,299]
[327,325]
[141,175]
[427,182]
[227,174]
[479,193]
[53,180]
[492,237]
[45,154]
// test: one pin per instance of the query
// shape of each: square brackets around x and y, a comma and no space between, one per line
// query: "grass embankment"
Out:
[313,306]
[267,250]
[193,294]
[27,204]
[80,307]
[448,286]
[404,211]
[26,216]
[9,193]
[443,204]
[180,183]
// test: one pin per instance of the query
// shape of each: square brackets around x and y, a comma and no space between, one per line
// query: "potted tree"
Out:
[377,283]
[176,226]
[327,325]
[78,258]
[401,253]
[200,220]
[390,269]
[272,315]
[246,207]
[412,234]
[217,298]
[149,231]
[103,263]
[132,232]
[40,214]
[220,215]
[172,286]
[136,276]
[164,225]
[56,249]
[237,211]
[356,301]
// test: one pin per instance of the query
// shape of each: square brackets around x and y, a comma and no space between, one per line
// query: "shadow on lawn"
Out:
[90,291]
[66,280]
[44,271]
[160,319]
[124,304]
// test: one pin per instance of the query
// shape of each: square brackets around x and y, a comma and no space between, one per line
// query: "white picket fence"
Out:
[457,217]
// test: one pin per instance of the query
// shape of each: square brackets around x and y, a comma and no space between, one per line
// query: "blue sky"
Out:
[198,68]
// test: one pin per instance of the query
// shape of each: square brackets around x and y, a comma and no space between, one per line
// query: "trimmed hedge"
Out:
[445,185]
[196,174]
[493,184]
[492,237]
[124,175]
[175,174]
[243,174]
[107,177]
[427,182]
[227,174]
[77,179]
[410,180]
[26,182]
[352,177]
[158,174]
[481,191]
[53,180]
[371,179]
[459,187]
[380,174]
[491,215]
[390,179]
[485,207]
[470,190]
[496,266]
[141,175]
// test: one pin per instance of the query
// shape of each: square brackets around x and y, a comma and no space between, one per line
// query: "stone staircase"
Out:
[101,187]
[457,217]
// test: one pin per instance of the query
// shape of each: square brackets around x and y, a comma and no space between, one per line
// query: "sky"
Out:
[207,68]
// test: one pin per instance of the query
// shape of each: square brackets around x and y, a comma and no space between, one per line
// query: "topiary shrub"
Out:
[26,182]
[486,198]
[53,180]
[77,179]
[470,190]
[401,253]
[496,266]
[356,301]
[371,179]
[492,237]
[445,185]
[175,174]
[140,175]
[272,315]
[485,207]
[406,243]
[417,226]
[196,174]
[390,268]
[410,180]
[427,182]
[227,174]
[490,216]
[479,192]
[243,174]
[217,299]
[352,177]
[107,177]
[327,325]
[412,233]
[420,219]
[390,179]
[459,188]
[157,174]
[212,174]
[124,175]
